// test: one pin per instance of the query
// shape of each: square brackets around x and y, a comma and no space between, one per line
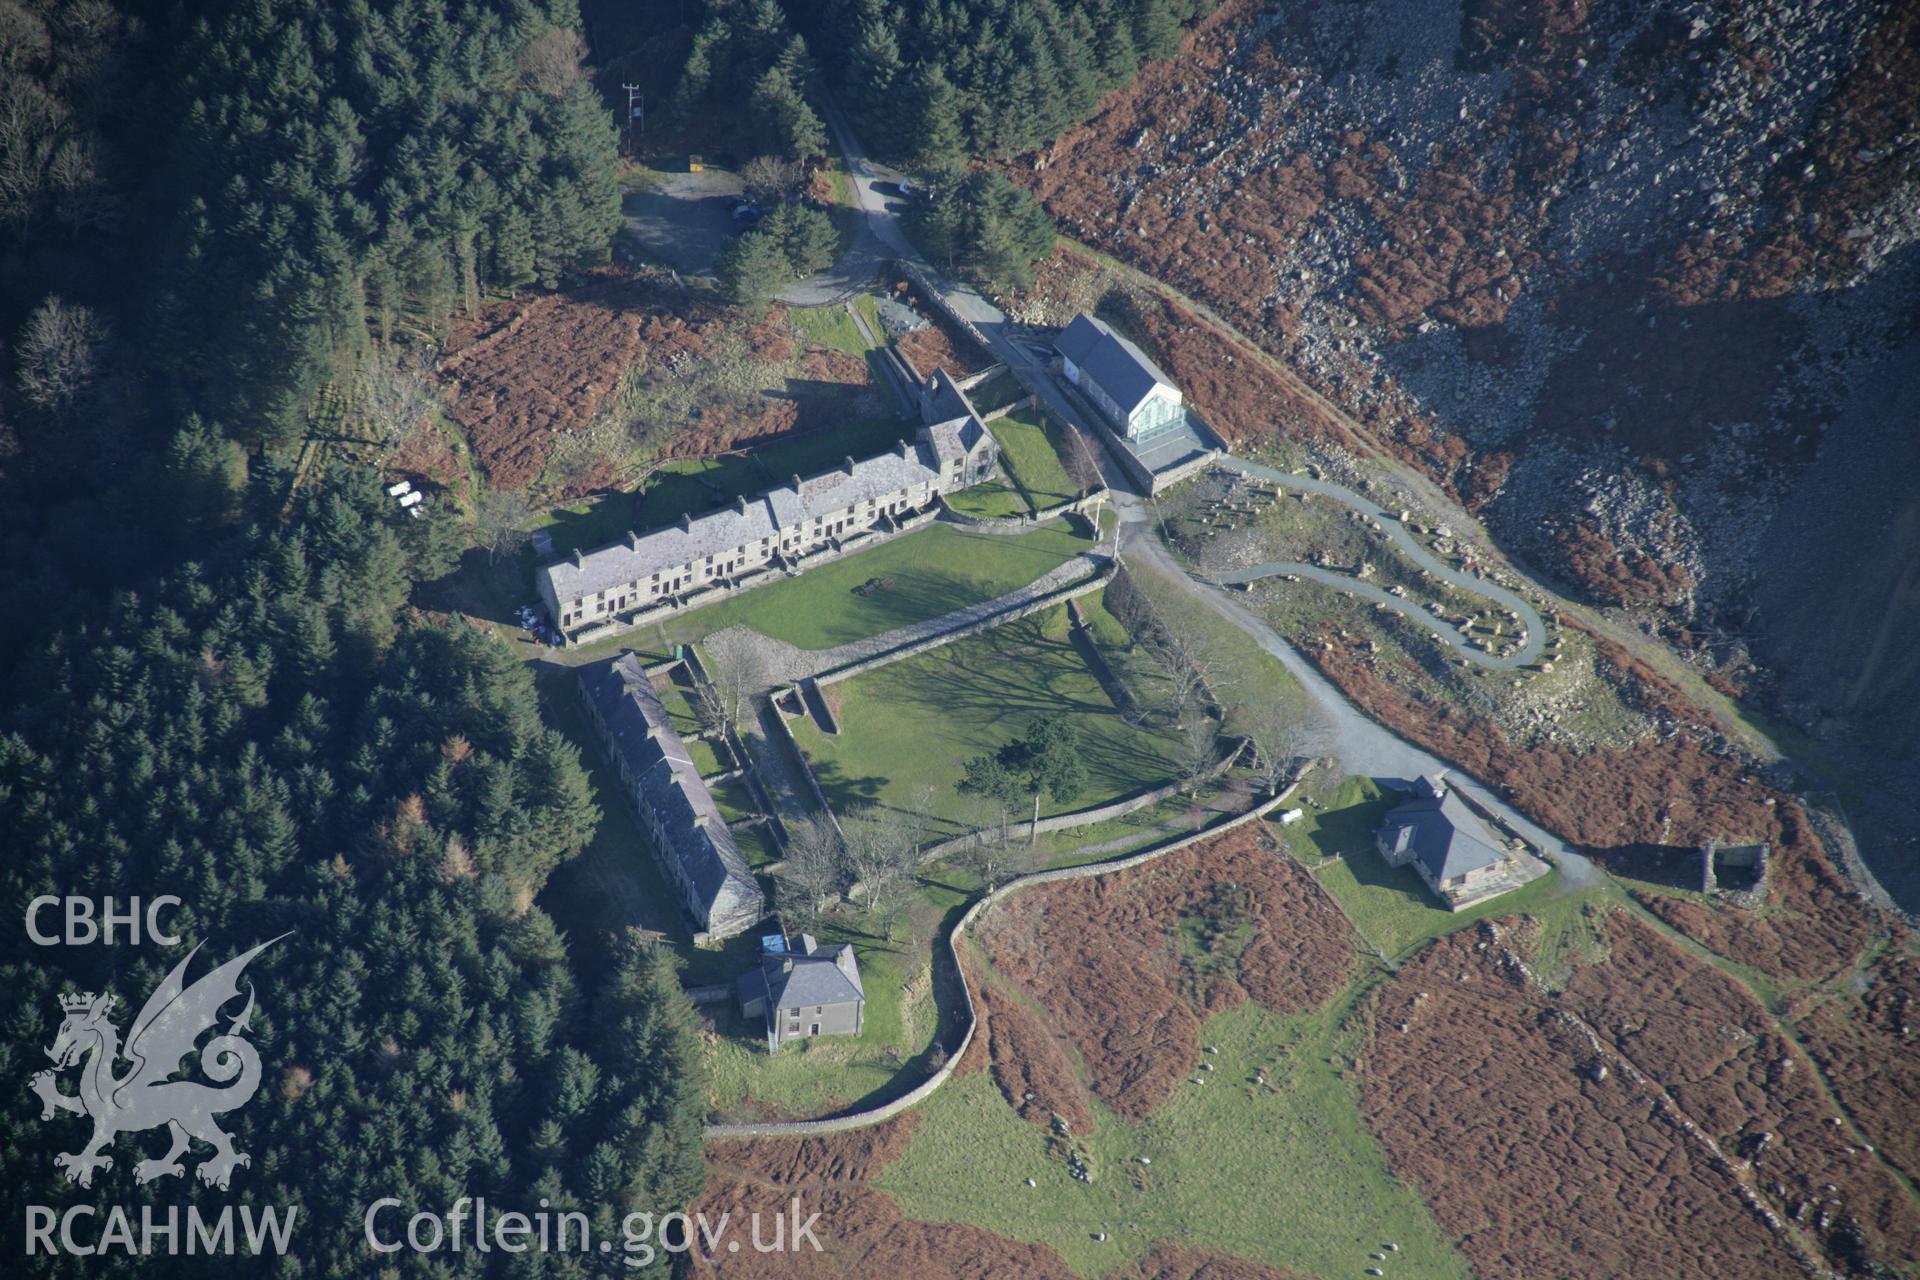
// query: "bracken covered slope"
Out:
[1635,283]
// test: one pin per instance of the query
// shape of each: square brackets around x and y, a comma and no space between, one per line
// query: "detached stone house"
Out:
[804,991]
[1139,401]
[1443,840]
[664,789]
[952,451]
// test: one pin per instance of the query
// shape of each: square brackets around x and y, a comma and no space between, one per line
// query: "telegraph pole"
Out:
[636,110]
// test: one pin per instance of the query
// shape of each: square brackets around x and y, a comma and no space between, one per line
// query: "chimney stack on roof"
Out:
[740,504]
[849,464]
[796,482]
[686,522]
[633,540]
[578,559]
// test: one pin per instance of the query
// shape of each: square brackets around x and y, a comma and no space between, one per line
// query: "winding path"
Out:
[1397,534]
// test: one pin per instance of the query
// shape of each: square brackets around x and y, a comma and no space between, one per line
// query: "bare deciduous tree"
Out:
[882,856]
[1082,462]
[396,395]
[772,179]
[738,666]
[499,520]
[1196,751]
[993,848]
[551,64]
[813,873]
[1278,736]
[1199,672]
[60,353]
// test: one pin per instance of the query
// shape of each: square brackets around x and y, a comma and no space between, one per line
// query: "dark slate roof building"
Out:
[664,789]
[952,450]
[1444,840]
[1138,399]
[804,990]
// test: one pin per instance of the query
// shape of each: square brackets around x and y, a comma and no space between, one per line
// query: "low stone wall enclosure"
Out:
[1025,522]
[1093,582]
[920,1092]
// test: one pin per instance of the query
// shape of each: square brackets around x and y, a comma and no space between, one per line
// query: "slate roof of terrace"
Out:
[1120,368]
[643,735]
[637,557]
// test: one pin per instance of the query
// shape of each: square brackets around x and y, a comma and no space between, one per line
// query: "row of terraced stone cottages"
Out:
[779,528]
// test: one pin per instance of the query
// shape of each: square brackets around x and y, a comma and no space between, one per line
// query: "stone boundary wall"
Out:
[888,1110]
[934,294]
[1013,613]
[973,380]
[1027,401]
[815,702]
[799,757]
[743,759]
[1087,817]
[756,578]
[1022,523]
[1090,651]
[1165,480]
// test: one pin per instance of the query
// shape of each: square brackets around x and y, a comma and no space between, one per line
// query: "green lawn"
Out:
[709,756]
[999,390]
[934,570]
[912,725]
[819,1077]
[677,698]
[996,499]
[1392,906]
[1030,449]
[735,800]
[869,308]
[757,845]
[830,326]
[1285,1174]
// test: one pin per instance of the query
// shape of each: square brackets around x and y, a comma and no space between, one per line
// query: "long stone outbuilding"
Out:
[664,790]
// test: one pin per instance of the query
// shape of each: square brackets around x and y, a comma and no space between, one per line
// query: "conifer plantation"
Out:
[344,171]
[270,737]
[936,82]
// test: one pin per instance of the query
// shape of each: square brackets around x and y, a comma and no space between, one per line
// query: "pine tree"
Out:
[938,141]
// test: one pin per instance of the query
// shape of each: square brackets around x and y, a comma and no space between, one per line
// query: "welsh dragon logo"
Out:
[171,1022]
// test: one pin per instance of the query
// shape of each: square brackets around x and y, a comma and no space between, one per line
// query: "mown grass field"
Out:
[1030,447]
[1284,1173]
[906,730]
[934,570]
